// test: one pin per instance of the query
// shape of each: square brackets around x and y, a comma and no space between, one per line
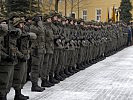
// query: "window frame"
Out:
[98,15]
[83,16]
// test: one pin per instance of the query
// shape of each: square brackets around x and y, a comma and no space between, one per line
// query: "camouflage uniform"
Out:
[47,64]
[37,53]
[6,65]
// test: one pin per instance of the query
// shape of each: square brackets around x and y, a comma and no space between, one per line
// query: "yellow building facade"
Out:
[97,10]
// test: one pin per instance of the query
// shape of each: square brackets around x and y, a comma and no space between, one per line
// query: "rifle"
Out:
[7,37]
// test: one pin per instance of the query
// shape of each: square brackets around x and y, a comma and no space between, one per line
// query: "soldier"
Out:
[60,48]
[37,52]
[64,43]
[56,55]
[6,62]
[20,69]
[27,29]
[47,76]
[82,44]
[10,42]
[129,36]
[71,53]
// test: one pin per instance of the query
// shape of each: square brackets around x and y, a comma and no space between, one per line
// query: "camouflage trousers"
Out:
[36,65]
[71,59]
[47,65]
[60,65]
[55,61]
[6,77]
[20,75]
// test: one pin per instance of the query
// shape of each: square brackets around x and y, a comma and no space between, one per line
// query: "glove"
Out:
[9,59]
[36,51]
[23,59]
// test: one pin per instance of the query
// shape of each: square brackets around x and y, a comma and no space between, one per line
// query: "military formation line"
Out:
[52,48]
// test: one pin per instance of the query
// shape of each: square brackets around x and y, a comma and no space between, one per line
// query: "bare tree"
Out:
[56,5]
[47,5]
[74,4]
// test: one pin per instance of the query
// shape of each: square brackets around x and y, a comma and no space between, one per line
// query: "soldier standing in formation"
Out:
[37,52]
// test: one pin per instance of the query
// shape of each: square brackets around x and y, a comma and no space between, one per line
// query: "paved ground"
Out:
[110,79]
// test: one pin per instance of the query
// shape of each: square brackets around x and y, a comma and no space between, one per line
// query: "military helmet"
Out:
[13,15]
[67,18]
[28,17]
[70,19]
[80,20]
[16,21]
[37,17]
[63,19]
[53,13]
[2,18]
[37,14]
[46,16]
[75,20]
[88,23]
[21,14]
[59,15]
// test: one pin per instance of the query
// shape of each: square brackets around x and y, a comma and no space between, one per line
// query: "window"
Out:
[60,1]
[85,15]
[73,15]
[98,15]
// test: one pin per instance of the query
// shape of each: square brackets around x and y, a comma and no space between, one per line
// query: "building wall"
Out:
[90,6]
[132,9]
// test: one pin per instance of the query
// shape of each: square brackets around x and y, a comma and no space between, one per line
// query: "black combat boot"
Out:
[62,74]
[3,97]
[58,77]
[46,83]
[67,72]
[80,67]
[85,64]
[88,63]
[75,69]
[20,96]
[53,80]
[36,88]
[93,61]
[70,70]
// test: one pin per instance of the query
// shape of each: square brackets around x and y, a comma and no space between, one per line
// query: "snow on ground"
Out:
[110,79]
